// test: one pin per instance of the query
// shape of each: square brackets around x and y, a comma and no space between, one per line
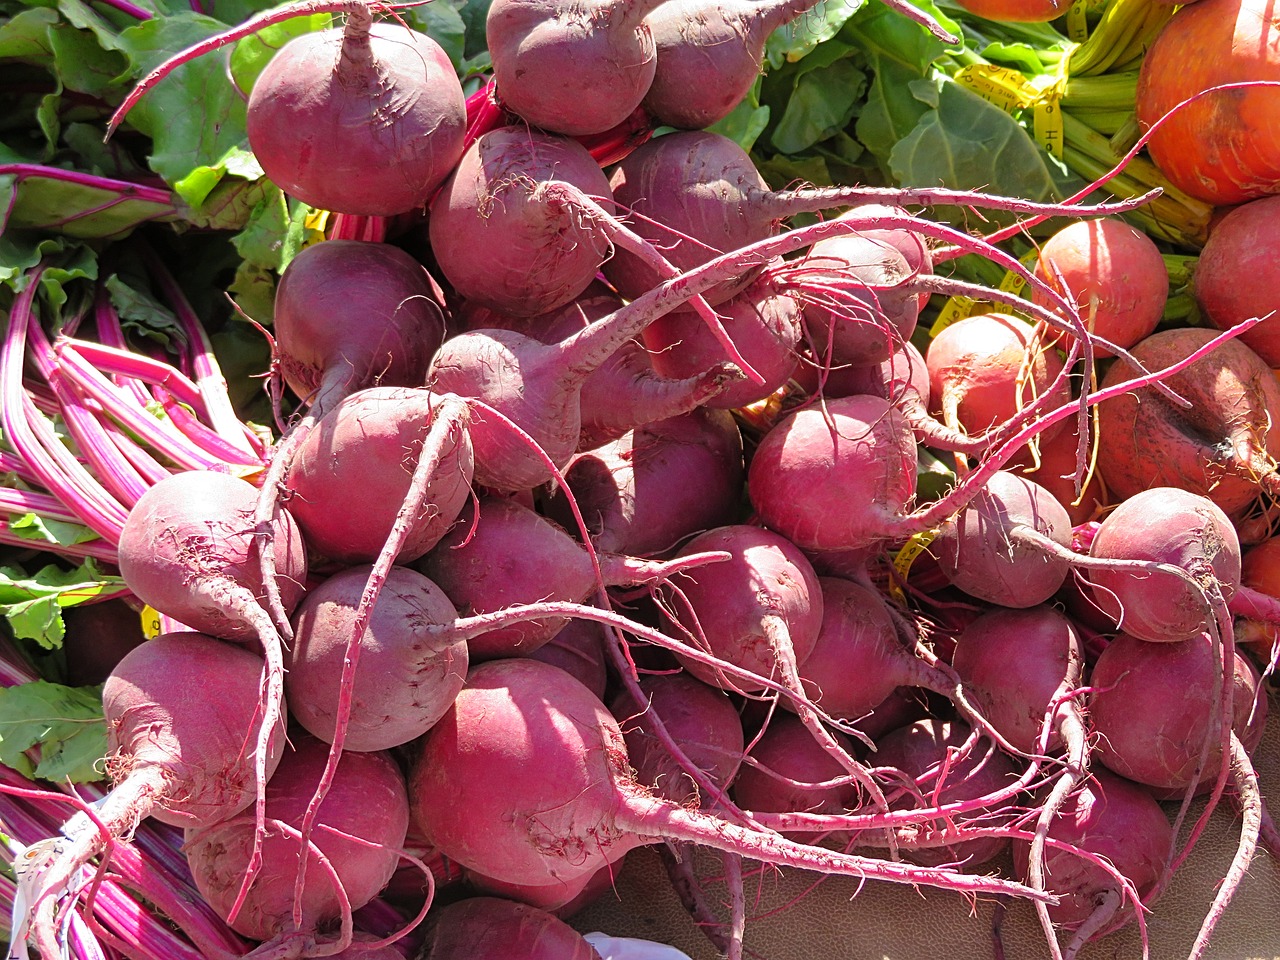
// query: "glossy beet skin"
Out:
[351,315]
[657,484]
[502,247]
[1235,275]
[489,928]
[188,550]
[835,489]
[407,677]
[700,718]
[548,53]
[980,552]
[1225,147]
[924,751]
[1017,11]
[984,369]
[1172,526]
[693,194]
[1152,706]
[200,745]
[1113,272]
[743,608]
[371,442]
[1110,817]
[1221,446]
[366,799]
[365,120]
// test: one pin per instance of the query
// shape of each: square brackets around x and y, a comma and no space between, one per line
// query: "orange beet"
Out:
[1225,147]
[1017,11]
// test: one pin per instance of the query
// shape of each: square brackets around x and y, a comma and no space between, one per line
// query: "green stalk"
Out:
[1138,168]
[1162,218]
[1110,91]
[1181,268]
[1157,16]
[1126,135]
[1106,122]
[1123,24]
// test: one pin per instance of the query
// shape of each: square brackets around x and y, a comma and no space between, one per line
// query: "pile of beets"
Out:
[598,522]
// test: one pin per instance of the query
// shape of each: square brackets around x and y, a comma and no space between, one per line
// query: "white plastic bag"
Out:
[629,948]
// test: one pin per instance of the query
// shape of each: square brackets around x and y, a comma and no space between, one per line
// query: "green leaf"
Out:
[822,104]
[86,211]
[66,723]
[1018,55]
[275,233]
[244,356]
[84,17]
[33,603]
[67,261]
[34,527]
[474,13]
[142,313]
[966,143]
[254,291]
[442,22]
[223,196]
[84,65]
[251,55]
[49,119]
[794,40]
[20,252]
[934,477]
[194,116]
[781,170]
[26,36]
[262,240]
[89,153]
[231,11]
[77,262]
[898,51]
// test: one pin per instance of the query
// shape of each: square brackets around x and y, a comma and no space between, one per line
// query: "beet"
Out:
[702,721]
[368,119]
[371,442]
[709,56]
[351,315]
[1171,526]
[980,550]
[548,53]
[648,490]
[923,751]
[367,800]
[1108,817]
[405,679]
[498,243]
[1221,445]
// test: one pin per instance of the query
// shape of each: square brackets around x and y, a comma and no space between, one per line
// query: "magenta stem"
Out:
[32,438]
[208,376]
[114,470]
[131,9]
[116,404]
[128,190]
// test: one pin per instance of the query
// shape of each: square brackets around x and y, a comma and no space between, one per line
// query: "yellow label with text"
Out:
[1077,22]
[1012,92]
[959,307]
[1015,283]
[956,308]
[150,622]
[314,224]
[906,556]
